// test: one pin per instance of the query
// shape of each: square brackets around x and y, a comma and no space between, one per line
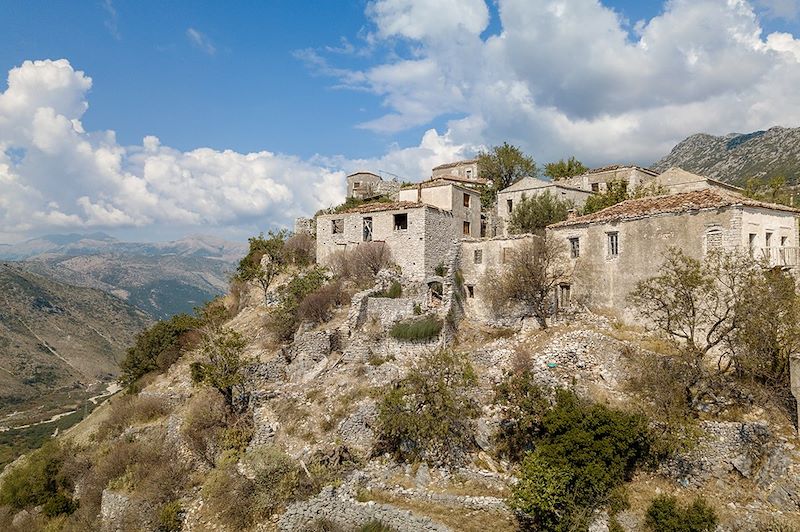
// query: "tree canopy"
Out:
[503,166]
[532,214]
[562,169]
[253,267]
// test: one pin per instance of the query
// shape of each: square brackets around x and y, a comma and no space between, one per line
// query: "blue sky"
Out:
[327,87]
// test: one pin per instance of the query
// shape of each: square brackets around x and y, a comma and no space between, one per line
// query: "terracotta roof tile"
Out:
[385,206]
[673,203]
[436,183]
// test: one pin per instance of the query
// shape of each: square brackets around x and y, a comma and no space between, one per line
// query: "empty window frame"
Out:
[613,244]
[784,239]
[595,187]
[574,247]
[401,221]
[466,200]
[564,295]
[751,243]
[477,256]
[337,226]
[469,174]
[470,291]
[466,228]
[367,229]
[768,239]
[510,205]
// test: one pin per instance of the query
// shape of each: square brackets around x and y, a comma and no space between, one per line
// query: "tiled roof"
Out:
[531,183]
[453,165]
[431,183]
[673,203]
[475,180]
[385,206]
[611,167]
[364,172]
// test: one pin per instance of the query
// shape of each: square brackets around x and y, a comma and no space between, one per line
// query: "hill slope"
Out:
[56,338]
[735,157]
[161,279]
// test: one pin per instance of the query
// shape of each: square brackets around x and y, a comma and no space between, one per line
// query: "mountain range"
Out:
[162,279]
[737,157]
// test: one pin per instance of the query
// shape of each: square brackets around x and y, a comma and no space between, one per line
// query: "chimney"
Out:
[419,193]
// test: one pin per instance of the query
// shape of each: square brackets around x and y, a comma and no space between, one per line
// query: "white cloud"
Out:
[567,78]
[55,175]
[112,19]
[201,41]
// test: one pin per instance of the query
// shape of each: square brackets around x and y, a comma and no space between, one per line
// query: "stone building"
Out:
[463,202]
[611,250]
[419,236]
[368,185]
[530,186]
[460,171]
[676,180]
[597,180]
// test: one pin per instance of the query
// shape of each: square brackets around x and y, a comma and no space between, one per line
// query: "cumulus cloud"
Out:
[56,175]
[566,78]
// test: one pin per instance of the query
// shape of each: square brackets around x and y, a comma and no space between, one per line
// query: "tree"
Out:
[531,276]
[503,166]
[265,259]
[223,364]
[563,169]
[617,191]
[533,214]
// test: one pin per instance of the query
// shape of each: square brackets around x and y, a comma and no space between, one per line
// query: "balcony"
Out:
[780,256]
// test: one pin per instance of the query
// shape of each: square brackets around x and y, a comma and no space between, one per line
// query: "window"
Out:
[506,255]
[401,221]
[595,187]
[466,200]
[469,174]
[783,241]
[337,226]
[356,184]
[367,230]
[470,291]
[751,242]
[768,240]
[564,295]
[574,247]
[713,239]
[613,244]
[510,205]
[478,256]
[466,228]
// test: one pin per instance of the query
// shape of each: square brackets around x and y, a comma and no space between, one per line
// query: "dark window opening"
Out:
[466,200]
[470,291]
[337,226]
[510,205]
[574,247]
[367,230]
[466,228]
[400,221]
[595,187]
[613,244]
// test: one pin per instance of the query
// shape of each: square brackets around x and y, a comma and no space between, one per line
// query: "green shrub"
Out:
[523,403]
[158,347]
[394,291]
[583,452]
[665,514]
[223,364]
[41,480]
[128,410]
[204,425]
[375,526]
[285,317]
[428,414]
[170,517]
[418,329]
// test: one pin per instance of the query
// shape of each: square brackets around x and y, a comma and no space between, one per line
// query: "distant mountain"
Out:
[161,278]
[56,339]
[736,157]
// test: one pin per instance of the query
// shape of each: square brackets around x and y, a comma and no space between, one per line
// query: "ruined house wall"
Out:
[634,176]
[479,276]
[761,221]
[578,197]
[451,198]
[366,181]
[440,230]
[466,169]
[601,280]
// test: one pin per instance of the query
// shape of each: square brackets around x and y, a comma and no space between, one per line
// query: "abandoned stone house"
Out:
[510,197]
[464,203]
[464,172]
[611,250]
[367,185]
[597,179]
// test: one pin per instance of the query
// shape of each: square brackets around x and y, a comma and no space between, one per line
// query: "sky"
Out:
[151,120]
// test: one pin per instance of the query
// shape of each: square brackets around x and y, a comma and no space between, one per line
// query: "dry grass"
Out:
[128,410]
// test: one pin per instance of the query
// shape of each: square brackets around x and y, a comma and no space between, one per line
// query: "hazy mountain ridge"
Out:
[55,337]
[736,157]
[161,278]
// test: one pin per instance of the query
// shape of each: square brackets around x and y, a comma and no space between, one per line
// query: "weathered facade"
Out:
[611,250]
[511,196]
[418,235]
[461,170]
[462,202]
[676,180]
[367,185]
[597,180]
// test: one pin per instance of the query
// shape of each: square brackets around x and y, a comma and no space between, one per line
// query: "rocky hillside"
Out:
[302,440]
[736,157]
[161,279]
[57,343]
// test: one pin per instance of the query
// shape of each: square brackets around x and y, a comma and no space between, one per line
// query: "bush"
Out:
[523,403]
[128,410]
[416,329]
[158,347]
[204,425]
[317,306]
[584,451]
[666,515]
[394,291]
[285,317]
[223,364]
[264,260]
[533,214]
[40,480]
[428,414]
[300,249]
[360,265]
[170,517]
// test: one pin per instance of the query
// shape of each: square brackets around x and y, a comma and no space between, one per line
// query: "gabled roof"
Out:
[454,164]
[679,175]
[611,167]
[532,183]
[673,203]
[459,179]
[432,183]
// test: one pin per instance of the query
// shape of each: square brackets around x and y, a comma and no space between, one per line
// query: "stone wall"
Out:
[633,175]
[450,197]
[578,197]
